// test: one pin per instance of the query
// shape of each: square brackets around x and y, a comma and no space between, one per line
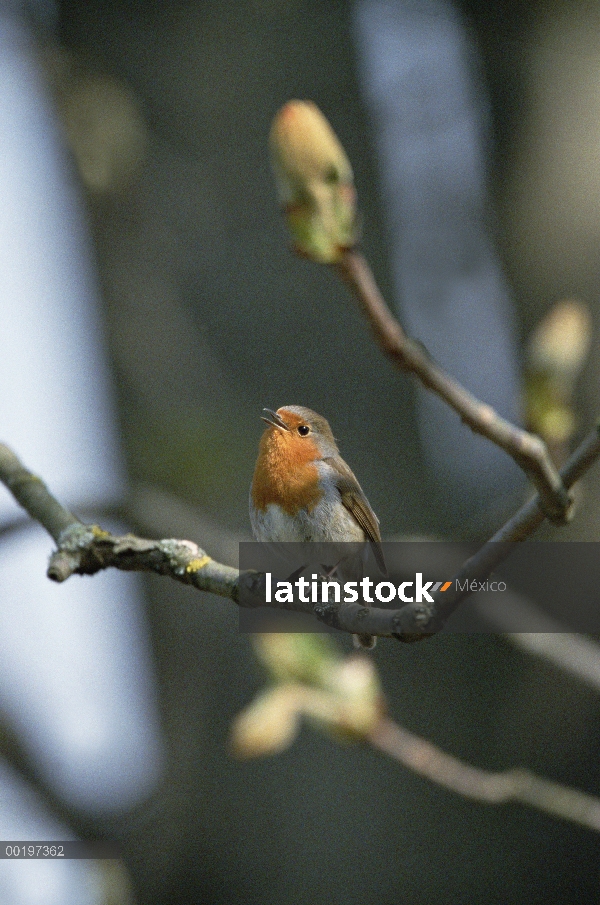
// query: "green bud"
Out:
[556,355]
[314,182]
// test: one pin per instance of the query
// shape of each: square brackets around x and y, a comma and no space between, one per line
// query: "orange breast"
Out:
[285,472]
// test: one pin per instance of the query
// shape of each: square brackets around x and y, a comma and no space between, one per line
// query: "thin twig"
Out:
[84,550]
[528,450]
[515,785]
[575,655]
[543,636]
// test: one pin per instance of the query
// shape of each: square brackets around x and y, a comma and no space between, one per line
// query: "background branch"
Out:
[575,655]
[341,696]
[515,785]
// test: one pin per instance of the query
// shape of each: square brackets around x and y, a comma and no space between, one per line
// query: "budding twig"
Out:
[316,190]
[341,696]
[528,450]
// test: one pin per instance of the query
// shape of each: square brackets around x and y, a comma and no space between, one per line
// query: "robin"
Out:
[303,490]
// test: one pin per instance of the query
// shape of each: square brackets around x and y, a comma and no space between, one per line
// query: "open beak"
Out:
[274,420]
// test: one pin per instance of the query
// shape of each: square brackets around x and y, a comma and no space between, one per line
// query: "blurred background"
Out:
[474,134]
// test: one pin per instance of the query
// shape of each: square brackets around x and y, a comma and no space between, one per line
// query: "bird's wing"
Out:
[355,501]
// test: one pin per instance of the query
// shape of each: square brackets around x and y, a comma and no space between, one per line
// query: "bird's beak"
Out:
[274,420]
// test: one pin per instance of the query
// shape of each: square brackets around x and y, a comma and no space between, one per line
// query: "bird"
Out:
[302,489]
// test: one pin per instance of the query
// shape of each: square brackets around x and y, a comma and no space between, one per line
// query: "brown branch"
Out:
[515,785]
[528,450]
[86,549]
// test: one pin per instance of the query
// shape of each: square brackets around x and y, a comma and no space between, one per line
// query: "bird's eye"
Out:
[303,430]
